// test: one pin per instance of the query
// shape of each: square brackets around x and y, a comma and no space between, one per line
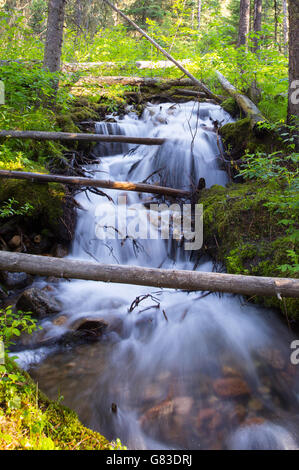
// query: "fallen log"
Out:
[41,135]
[247,106]
[195,94]
[165,53]
[140,64]
[168,278]
[134,81]
[94,183]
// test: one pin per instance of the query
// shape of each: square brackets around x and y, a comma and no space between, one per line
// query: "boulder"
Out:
[38,302]
[15,280]
[90,328]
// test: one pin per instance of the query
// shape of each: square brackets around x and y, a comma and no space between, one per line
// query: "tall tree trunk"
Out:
[244,22]
[293,101]
[199,4]
[257,23]
[54,37]
[275,22]
[285,26]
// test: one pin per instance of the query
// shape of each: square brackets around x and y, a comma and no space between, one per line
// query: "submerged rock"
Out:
[230,387]
[38,302]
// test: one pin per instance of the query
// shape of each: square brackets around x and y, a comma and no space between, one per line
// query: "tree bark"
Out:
[54,37]
[67,136]
[257,23]
[94,183]
[285,26]
[293,98]
[248,107]
[173,279]
[244,22]
[165,53]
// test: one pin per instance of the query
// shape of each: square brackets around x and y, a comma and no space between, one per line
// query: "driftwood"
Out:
[165,53]
[173,279]
[94,183]
[247,106]
[40,135]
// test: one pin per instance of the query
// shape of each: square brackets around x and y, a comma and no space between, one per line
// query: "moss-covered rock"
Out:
[244,235]
[30,421]
[239,138]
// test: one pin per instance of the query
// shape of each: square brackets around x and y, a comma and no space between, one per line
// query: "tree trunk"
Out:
[168,278]
[54,37]
[244,22]
[293,98]
[285,26]
[257,23]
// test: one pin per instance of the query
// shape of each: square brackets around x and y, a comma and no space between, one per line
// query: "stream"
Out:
[172,370]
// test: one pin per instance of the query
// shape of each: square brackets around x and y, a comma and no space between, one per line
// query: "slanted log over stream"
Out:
[136,275]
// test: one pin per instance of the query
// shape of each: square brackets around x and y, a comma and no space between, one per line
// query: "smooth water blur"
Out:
[183,370]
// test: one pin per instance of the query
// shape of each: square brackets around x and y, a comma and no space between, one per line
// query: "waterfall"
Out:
[184,370]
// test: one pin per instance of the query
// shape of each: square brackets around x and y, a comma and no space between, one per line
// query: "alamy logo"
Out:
[2,92]
[295,94]
[121,221]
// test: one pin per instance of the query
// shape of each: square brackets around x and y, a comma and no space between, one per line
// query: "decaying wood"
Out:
[134,81]
[195,94]
[165,53]
[140,64]
[247,106]
[94,183]
[40,135]
[173,279]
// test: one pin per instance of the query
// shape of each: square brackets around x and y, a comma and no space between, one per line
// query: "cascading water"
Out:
[175,369]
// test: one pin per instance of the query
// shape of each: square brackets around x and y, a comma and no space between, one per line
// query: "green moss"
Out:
[244,235]
[231,107]
[46,200]
[66,123]
[29,420]
[239,137]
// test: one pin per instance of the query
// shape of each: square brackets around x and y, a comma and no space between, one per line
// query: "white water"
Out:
[160,368]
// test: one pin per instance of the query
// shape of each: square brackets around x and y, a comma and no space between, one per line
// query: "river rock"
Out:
[208,418]
[59,251]
[3,294]
[15,242]
[38,302]
[230,387]
[15,280]
[89,327]
[273,357]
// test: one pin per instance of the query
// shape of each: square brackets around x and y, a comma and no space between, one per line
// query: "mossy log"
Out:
[89,182]
[247,106]
[135,275]
[134,81]
[69,136]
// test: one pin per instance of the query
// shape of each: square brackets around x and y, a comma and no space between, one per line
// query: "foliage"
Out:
[9,209]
